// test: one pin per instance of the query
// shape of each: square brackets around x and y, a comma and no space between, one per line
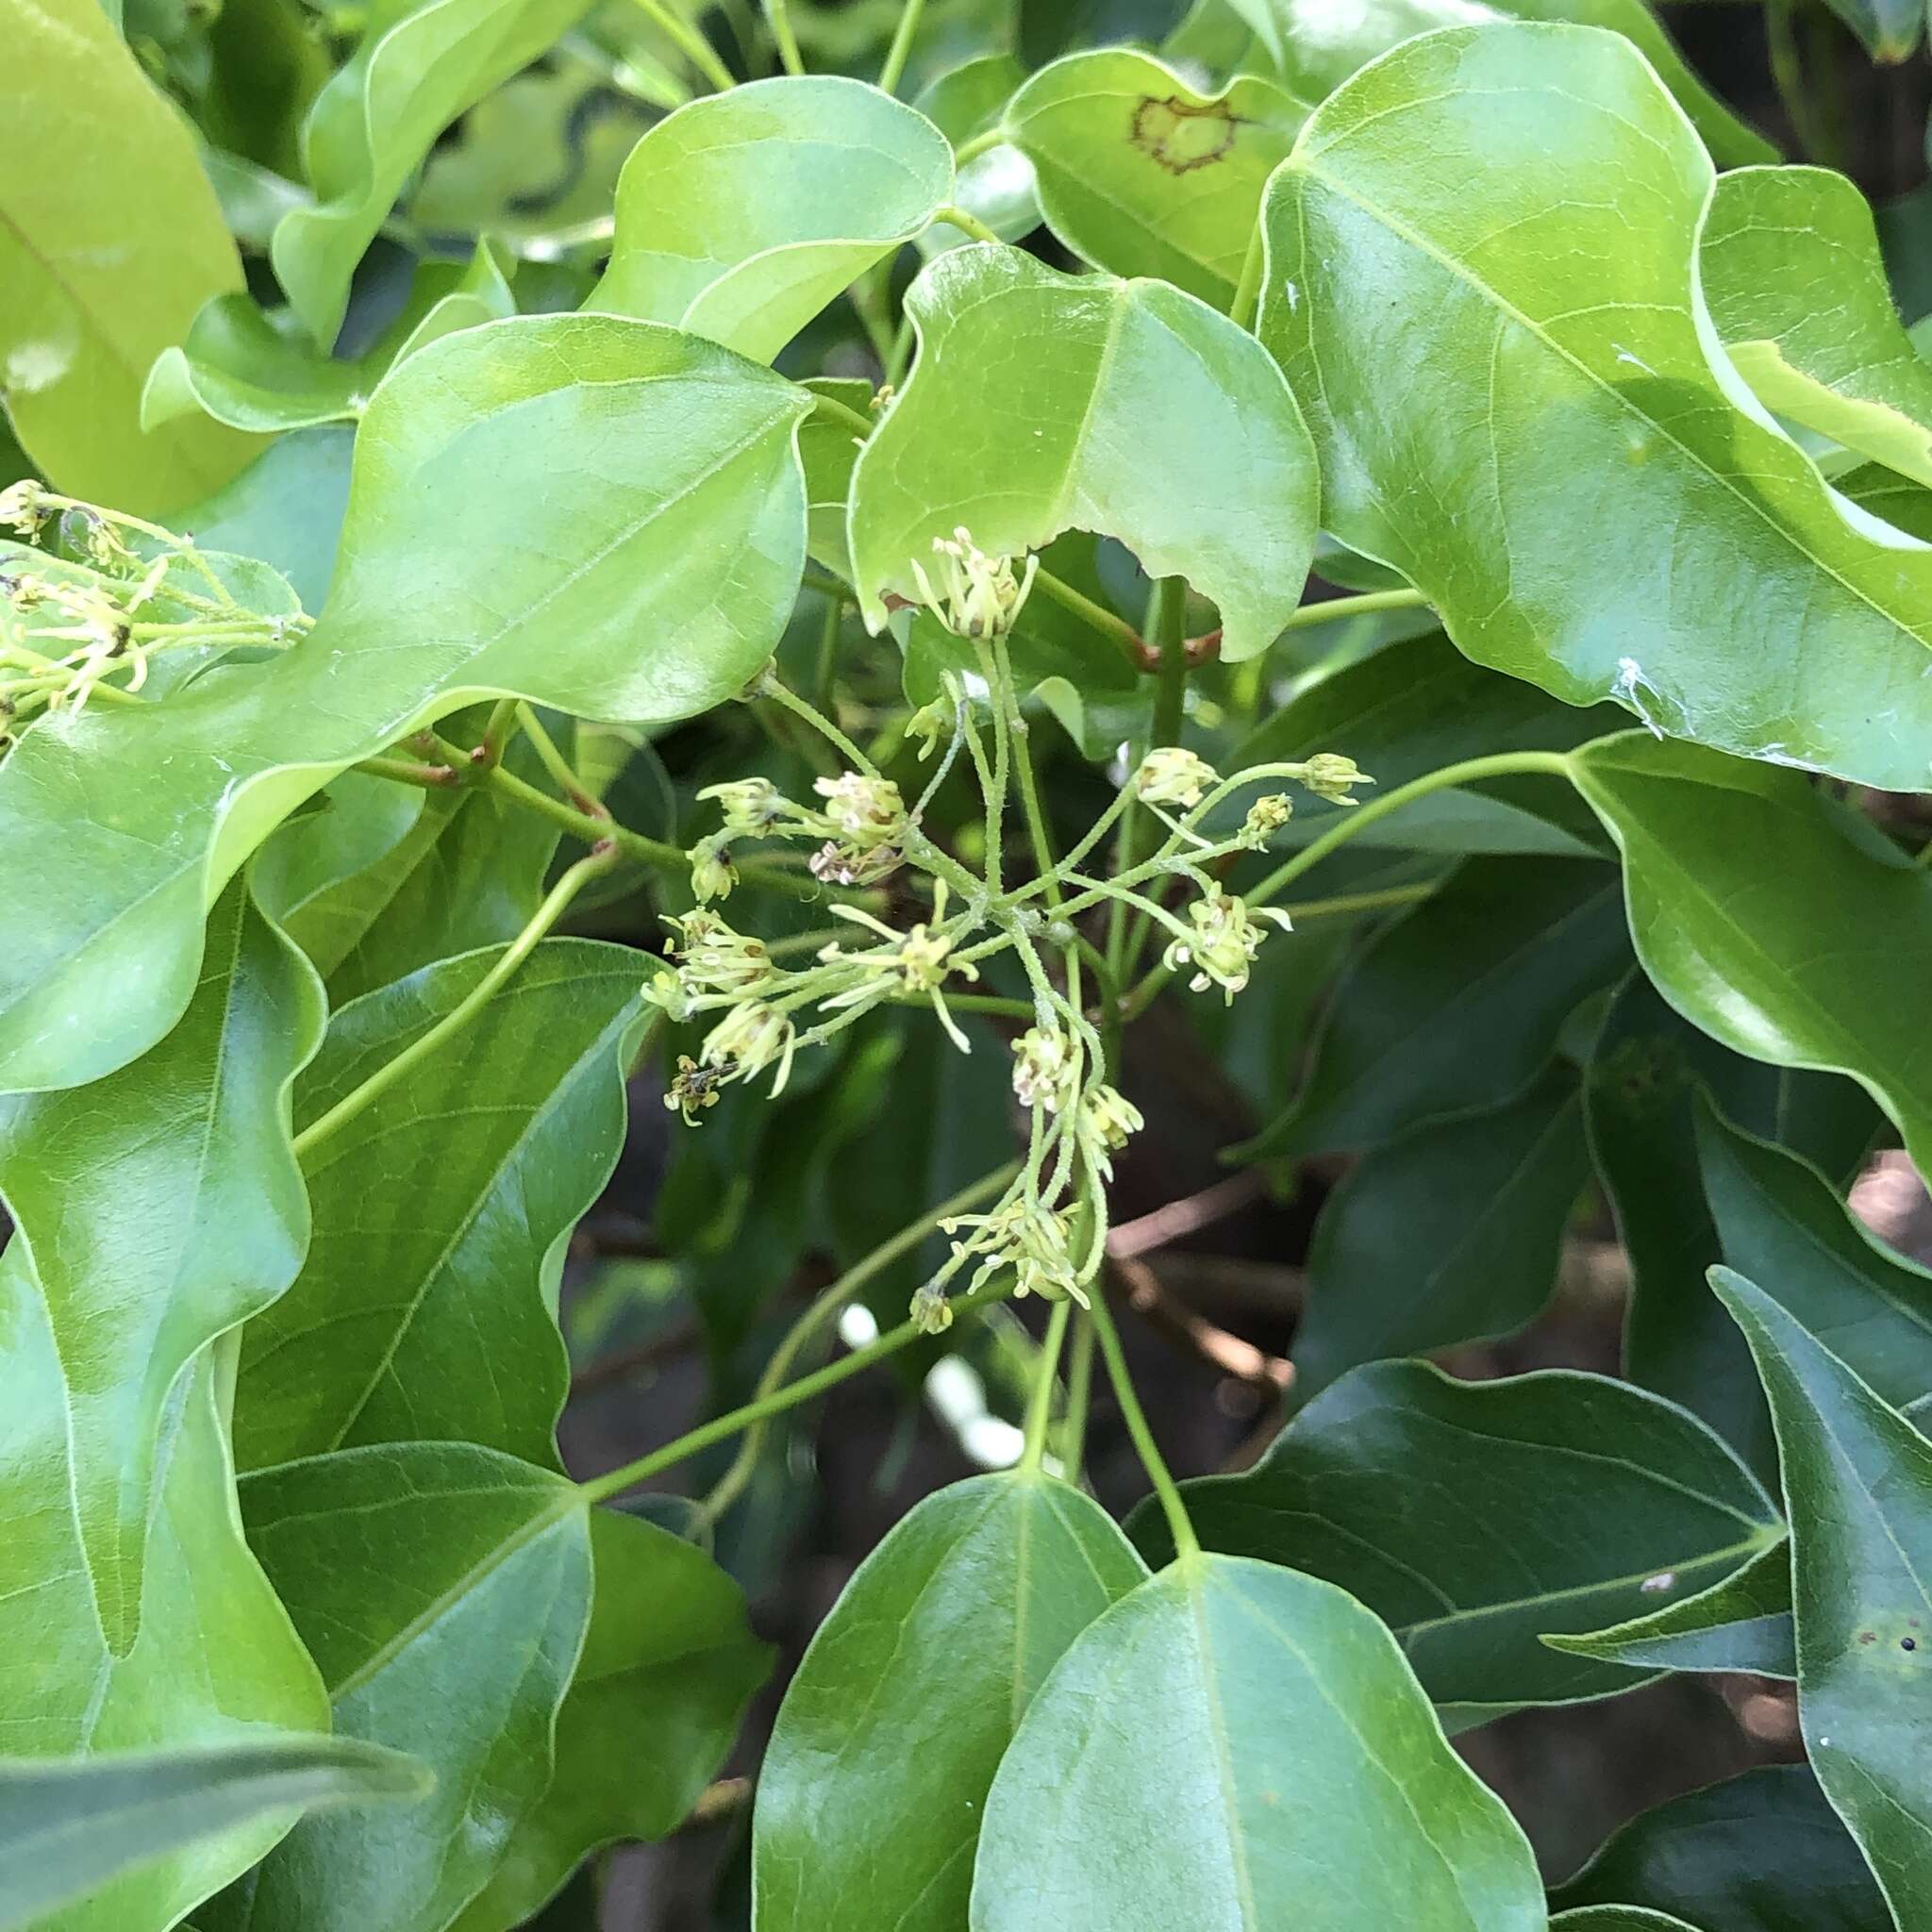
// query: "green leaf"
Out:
[1799,296]
[1414,707]
[425,1310]
[1724,595]
[868,1803]
[1317,45]
[1782,1223]
[158,1208]
[1445,1235]
[1618,1919]
[420,63]
[1761,1853]
[1736,876]
[68,1825]
[660,1692]
[1234,1745]
[1457,1005]
[1741,1622]
[1394,1484]
[110,238]
[215,1661]
[1091,374]
[1857,1481]
[743,215]
[1143,175]
[597,514]
[255,369]
[998,186]
[1889,28]
[444,1589]
[828,450]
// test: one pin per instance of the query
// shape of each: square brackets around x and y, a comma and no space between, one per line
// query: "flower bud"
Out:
[1112,1117]
[931,1313]
[1043,1066]
[1266,817]
[866,813]
[712,875]
[749,806]
[1330,775]
[1222,945]
[1172,775]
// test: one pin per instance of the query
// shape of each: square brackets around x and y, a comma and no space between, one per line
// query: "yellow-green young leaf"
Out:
[1316,45]
[1756,902]
[256,369]
[668,1667]
[110,239]
[1444,215]
[598,514]
[1232,1746]
[1857,1480]
[870,1800]
[160,1207]
[424,1308]
[744,214]
[1798,293]
[216,1659]
[68,1825]
[1146,177]
[1042,402]
[419,64]
[444,1589]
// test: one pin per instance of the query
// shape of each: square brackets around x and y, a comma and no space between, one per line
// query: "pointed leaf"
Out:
[1234,1746]
[743,215]
[110,238]
[1392,1482]
[1857,1482]
[1092,374]
[1448,1233]
[1761,1853]
[425,1310]
[660,1692]
[1889,28]
[67,1825]
[444,1589]
[1457,1005]
[1737,876]
[1143,175]
[869,1805]
[160,1208]
[1726,596]
[598,514]
[419,64]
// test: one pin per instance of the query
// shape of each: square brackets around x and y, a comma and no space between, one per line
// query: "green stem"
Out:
[731,1485]
[555,904]
[780,16]
[1335,609]
[726,1426]
[966,223]
[1345,902]
[896,54]
[1247,295]
[1184,1541]
[410,772]
[979,144]
[1120,633]
[1787,73]
[1079,1388]
[1039,1408]
[693,44]
[560,767]
[856,761]
[1170,714]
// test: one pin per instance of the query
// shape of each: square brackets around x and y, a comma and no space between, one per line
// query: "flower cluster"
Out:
[977,596]
[861,827]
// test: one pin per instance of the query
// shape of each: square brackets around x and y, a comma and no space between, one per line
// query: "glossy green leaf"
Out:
[256,369]
[870,1800]
[1799,297]
[67,1825]
[426,1309]
[215,1661]
[1142,175]
[1741,1622]
[828,449]
[1448,1233]
[1761,1853]
[1232,1746]
[1458,1005]
[1414,707]
[1782,1224]
[1397,1482]
[1091,374]
[1316,45]
[157,1210]
[1618,1919]
[444,1589]
[667,1668]
[599,514]
[1736,873]
[743,215]
[110,239]
[1726,595]
[1857,1482]
[419,64]
[998,186]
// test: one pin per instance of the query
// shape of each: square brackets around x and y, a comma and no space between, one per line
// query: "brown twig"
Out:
[1188,1215]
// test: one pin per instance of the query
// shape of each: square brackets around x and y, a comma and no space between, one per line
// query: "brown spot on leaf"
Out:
[1182,136]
